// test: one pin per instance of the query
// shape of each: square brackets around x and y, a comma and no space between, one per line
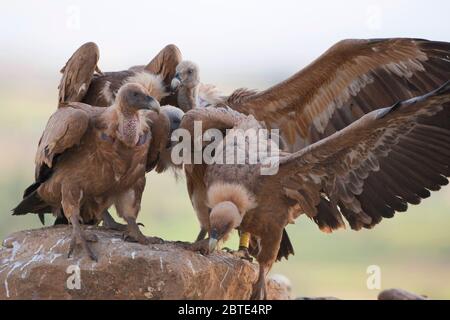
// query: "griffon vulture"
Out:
[82,81]
[191,93]
[351,79]
[365,172]
[90,158]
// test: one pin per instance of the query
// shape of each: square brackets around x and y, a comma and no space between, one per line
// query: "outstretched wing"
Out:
[351,79]
[372,168]
[78,72]
[64,129]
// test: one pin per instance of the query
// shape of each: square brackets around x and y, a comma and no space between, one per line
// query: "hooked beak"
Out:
[212,244]
[213,240]
[152,104]
[176,83]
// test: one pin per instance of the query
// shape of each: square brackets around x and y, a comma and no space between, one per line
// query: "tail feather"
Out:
[31,204]
[61,219]
[42,218]
[286,248]
[31,189]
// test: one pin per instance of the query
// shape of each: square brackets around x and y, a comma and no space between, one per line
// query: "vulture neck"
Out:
[131,125]
[188,98]
[233,192]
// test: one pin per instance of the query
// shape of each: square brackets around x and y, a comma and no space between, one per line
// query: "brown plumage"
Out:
[191,93]
[113,144]
[82,80]
[350,80]
[332,179]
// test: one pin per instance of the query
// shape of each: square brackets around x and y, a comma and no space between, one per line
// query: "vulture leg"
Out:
[133,233]
[128,206]
[201,235]
[244,243]
[243,252]
[270,245]
[111,224]
[71,206]
[259,287]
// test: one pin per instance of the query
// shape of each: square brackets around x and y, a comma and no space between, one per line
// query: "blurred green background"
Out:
[412,250]
[253,43]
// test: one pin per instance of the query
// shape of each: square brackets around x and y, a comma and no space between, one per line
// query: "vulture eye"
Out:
[135,94]
[190,71]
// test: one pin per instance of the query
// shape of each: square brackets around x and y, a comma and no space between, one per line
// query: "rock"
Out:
[280,288]
[34,265]
[317,298]
[399,294]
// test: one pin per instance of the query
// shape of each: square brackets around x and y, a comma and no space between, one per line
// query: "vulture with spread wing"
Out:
[349,157]
[117,144]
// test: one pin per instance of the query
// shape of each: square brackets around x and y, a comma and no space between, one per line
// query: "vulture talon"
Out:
[116,226]
[243,254]
[201,246]
[258,293]
[111,224]
[155,240]
[84,239]
[139,238]
[134,234]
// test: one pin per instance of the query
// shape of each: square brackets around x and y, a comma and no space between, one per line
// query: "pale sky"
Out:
[233,40]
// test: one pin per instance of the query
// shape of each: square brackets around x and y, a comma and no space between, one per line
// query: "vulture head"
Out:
[174,115]
[224,218]
[133,97]
[187,75]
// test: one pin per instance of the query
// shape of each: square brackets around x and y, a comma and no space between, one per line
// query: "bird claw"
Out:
[258,293]
[155,240]
[84,239]
[201,246]
[135,237]
[241,254]
[111,224]
[119,226]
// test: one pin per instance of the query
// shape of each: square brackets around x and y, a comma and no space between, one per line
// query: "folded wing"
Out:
[78,73]
[64,130]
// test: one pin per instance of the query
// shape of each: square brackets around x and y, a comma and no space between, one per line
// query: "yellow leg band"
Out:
[244,241]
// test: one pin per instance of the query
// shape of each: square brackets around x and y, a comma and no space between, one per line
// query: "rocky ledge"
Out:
[34,265]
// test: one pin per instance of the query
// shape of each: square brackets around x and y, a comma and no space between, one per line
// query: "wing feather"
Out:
[374,167]
[78,72]
[64,129]
[351,79]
